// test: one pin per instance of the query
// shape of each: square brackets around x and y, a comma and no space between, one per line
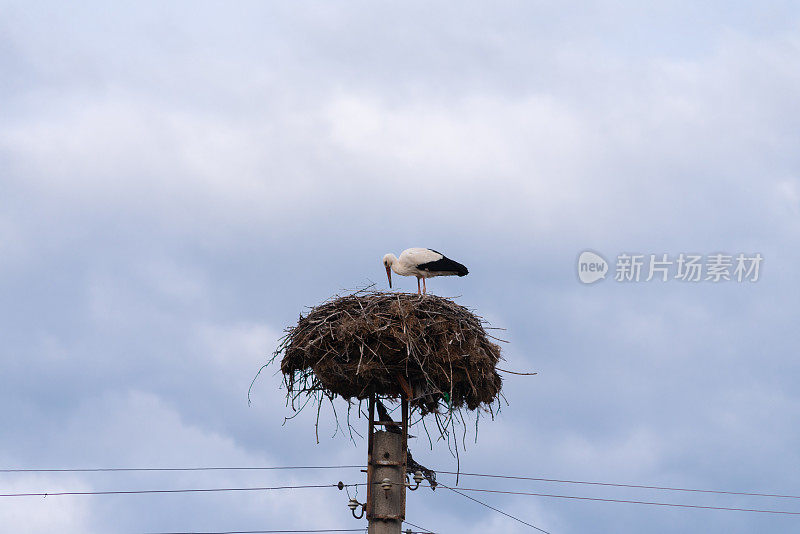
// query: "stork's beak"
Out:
[389,275]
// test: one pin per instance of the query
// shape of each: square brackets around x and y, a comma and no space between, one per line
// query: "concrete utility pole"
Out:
[386,474]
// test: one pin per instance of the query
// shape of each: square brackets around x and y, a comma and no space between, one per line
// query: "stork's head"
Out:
[388,260]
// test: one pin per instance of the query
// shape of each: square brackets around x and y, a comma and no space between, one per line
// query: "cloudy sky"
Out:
[179,181]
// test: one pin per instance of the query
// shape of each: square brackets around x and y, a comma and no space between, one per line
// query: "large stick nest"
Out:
[371,342]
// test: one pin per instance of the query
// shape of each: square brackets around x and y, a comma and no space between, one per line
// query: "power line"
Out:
[424,531]
[284,531]
[268,531]
[487,475]
[124,469]
[495,509]
[785,512]
[191,490]
[667,488]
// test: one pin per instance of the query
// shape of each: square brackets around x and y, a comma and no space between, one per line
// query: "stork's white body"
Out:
[422,263]
[409,260]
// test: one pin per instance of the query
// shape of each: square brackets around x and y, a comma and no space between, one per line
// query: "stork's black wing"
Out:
[444,265]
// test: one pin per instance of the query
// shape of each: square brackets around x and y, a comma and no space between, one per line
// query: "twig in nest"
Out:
[515,372]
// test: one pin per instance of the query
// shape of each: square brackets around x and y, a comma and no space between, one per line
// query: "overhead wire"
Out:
[680,505]
[424,531]
[183,490]
[455,489]
[155,469]
[493,508]
[293,531]
[266,531]
[486,475]
[614,484]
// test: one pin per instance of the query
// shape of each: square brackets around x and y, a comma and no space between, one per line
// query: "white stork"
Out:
[422,263]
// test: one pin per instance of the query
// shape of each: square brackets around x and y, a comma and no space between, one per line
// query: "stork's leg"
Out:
[418,288]
[424,287]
